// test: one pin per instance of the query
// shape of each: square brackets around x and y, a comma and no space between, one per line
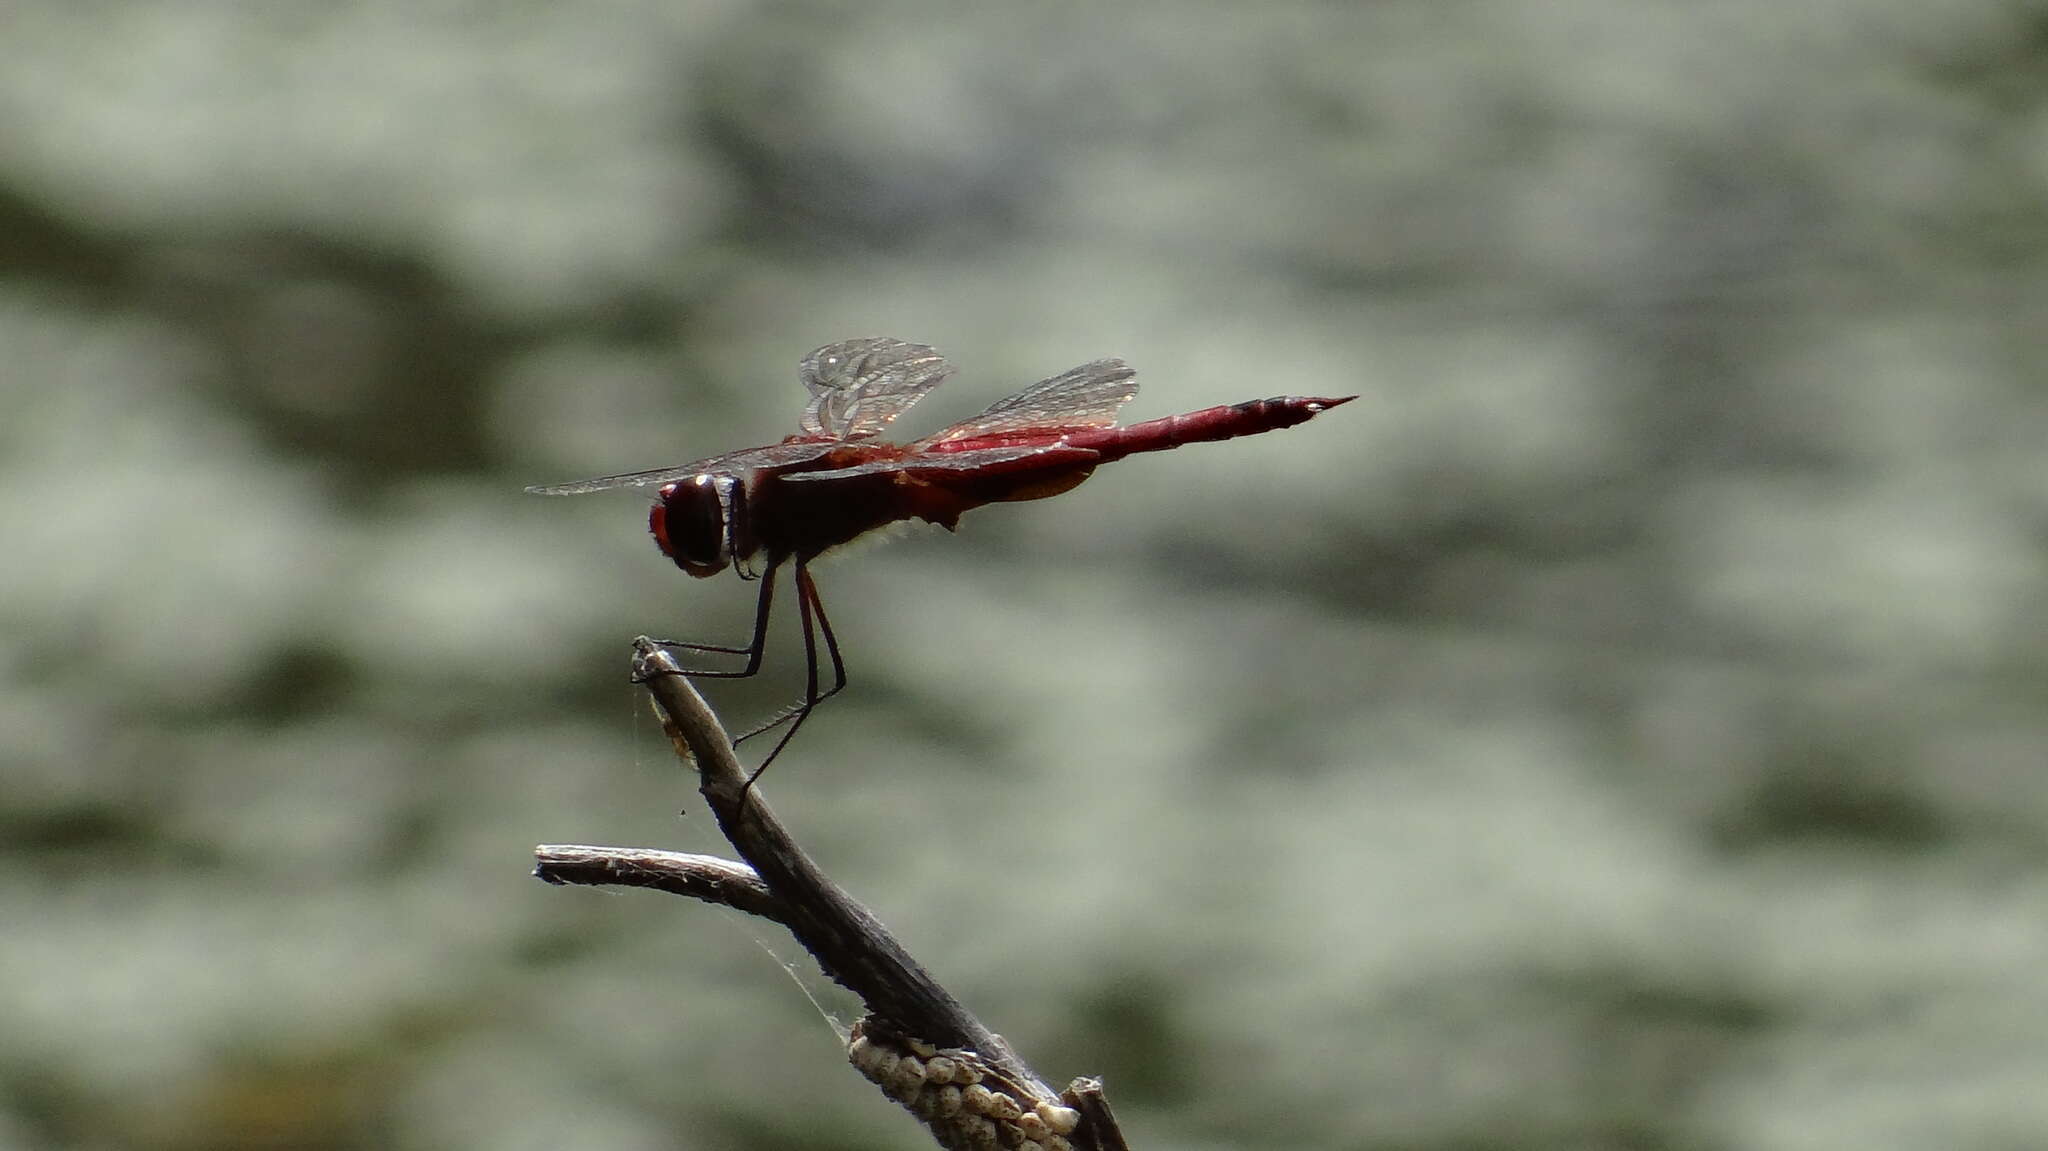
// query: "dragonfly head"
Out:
[699,523]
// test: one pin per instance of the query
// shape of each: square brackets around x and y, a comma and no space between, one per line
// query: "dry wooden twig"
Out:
[918,1043]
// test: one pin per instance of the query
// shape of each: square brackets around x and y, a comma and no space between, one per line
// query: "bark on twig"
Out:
[918,1043]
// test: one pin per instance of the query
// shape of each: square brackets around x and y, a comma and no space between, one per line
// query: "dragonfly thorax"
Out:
[701,523]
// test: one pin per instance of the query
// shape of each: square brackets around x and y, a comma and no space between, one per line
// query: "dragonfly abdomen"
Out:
[1223,422]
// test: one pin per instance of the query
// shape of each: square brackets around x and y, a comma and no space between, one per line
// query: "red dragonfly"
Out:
[833,481]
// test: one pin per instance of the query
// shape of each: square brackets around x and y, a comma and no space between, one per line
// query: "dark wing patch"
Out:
[858,387]
[1085,397]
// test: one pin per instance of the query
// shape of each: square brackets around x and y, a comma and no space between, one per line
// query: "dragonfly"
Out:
[759,510]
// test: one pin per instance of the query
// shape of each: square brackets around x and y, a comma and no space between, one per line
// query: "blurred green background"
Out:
[1626,726]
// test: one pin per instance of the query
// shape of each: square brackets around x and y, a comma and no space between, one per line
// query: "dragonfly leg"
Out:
[753,649]
[811,614]
[831,643]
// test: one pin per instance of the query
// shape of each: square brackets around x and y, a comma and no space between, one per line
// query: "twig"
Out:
[918,1043]
[704,877]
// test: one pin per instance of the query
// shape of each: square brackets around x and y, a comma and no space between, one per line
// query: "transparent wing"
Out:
[981,461]
[773,456]
[1085,397]
[859,386]
[605,483]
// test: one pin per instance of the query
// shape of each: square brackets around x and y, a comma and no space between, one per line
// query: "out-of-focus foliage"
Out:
[1626,726]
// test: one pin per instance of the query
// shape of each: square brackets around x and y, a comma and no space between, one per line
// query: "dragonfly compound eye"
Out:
[692,522]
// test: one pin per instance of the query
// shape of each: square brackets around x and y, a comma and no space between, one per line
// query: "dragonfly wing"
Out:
[780,455]
[858,387]
[977,462]
[622,480]
[1085,397]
